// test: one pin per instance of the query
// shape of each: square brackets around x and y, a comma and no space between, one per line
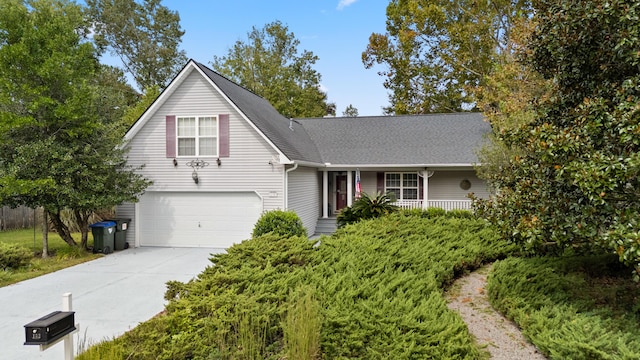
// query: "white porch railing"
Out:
[409,204]
[451,204]
[443,204]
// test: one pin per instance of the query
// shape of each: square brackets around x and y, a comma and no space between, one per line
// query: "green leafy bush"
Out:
[367,207]
[14,256]
[382,281]
[279,222]
[460,214]
[434,212]
[581,307]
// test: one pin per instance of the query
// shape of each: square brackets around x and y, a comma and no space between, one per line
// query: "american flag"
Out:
[358,186]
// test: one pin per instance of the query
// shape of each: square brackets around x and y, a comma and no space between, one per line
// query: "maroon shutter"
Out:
[223,132]
[380,183]
[171,136]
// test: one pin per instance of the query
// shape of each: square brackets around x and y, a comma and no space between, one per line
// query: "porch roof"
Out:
[406,139]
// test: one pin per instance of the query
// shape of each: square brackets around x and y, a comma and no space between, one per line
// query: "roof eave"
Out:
[443,165]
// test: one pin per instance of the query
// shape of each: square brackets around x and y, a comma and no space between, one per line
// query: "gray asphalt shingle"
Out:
[410,139]
[435,139]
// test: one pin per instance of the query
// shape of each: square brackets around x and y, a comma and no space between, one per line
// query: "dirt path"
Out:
[501,337]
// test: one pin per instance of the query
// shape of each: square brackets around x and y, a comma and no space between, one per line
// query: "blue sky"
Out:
[337,31]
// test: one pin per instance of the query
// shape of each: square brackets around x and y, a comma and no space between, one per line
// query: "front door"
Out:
[341,192]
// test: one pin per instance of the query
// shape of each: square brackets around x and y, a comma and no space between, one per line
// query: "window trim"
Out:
[197,136]
[401,187]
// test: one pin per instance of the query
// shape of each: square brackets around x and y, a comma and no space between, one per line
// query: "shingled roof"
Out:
[286,134]
[413,140]
[425,140]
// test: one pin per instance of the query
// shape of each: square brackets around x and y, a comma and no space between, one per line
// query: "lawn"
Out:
[61,254]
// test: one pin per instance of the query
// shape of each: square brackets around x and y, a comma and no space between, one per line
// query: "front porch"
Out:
[413,188]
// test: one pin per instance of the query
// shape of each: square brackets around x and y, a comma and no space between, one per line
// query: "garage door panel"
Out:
[197,219]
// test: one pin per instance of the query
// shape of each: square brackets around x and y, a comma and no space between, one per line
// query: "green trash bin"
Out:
[122,224]
[103,236]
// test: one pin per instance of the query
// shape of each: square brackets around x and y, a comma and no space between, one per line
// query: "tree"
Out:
[331,109]
[268,63]
[575,185]
[437,52]
[133,113]
[146,37]
[350,111]
[59,145]
[507,98]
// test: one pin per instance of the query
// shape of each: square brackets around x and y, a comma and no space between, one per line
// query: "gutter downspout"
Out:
[286,185]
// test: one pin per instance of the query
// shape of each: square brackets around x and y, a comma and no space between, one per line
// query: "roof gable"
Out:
[284,135]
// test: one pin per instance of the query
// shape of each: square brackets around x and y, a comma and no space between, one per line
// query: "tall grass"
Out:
[302,324]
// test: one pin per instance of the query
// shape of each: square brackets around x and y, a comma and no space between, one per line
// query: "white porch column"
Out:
[325,194]
[349,188]
[425,188]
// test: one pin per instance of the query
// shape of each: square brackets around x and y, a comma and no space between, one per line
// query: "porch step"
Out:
[326,226]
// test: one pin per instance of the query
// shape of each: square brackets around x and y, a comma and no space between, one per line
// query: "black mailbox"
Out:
[49,328]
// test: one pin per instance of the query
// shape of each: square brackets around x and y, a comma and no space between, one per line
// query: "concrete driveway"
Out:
[110,295]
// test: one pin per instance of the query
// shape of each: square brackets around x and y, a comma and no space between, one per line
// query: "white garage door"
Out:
[197,219]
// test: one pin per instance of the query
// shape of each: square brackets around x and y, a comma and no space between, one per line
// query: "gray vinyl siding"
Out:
[127,210]
[304,194]
[247,168]
[445,185]
[369,182]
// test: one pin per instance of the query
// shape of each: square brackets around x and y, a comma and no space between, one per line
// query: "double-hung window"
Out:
[197,136]
[403,185]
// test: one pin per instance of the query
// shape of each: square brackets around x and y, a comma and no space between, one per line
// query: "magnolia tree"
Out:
[574,179]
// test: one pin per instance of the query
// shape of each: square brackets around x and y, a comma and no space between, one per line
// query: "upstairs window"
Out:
[197,136]
[403,185]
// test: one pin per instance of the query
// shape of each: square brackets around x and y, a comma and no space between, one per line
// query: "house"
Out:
[219,156]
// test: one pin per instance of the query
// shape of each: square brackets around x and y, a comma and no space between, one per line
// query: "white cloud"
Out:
[344,3]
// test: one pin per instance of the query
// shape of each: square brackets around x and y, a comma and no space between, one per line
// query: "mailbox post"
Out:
[53,328]
[68,340]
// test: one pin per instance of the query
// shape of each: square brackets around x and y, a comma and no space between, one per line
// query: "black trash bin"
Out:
[103,236]
[122,224]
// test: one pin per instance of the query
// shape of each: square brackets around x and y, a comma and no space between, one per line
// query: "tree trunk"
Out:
[61,228]
[45,234]
[82,218]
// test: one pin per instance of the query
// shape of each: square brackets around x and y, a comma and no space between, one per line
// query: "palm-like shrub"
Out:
[367,207]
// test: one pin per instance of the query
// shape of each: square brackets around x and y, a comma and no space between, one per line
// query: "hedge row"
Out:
[372,291]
